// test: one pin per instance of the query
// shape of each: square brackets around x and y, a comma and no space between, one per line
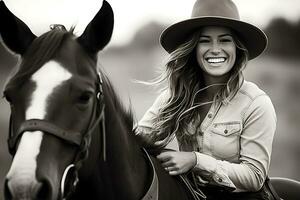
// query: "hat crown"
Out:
[215,8]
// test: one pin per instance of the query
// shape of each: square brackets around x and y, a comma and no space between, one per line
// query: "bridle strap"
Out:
[87,137]
[100,97]
[71,137]
[103,140]
[10,141]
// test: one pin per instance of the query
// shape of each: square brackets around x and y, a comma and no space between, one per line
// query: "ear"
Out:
[98,32]
[15,33]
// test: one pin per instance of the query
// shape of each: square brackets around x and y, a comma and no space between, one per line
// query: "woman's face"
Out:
[216,50]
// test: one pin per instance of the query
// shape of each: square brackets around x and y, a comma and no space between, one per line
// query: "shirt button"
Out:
[209,115]
[225,131]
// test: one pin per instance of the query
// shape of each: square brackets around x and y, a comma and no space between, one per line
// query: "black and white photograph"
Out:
[149,100]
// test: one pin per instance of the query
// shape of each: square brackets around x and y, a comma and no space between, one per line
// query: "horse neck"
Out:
[125,163]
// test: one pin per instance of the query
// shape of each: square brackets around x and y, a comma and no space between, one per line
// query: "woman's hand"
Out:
[177,162]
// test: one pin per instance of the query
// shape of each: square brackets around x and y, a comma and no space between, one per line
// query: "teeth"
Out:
[216,60]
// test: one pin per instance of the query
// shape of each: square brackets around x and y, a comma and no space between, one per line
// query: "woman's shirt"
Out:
[233,143]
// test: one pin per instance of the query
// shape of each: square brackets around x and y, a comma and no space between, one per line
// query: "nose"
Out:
[27,191]
[215,48]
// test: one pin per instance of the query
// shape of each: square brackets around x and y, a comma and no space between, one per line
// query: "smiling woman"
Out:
[224,124]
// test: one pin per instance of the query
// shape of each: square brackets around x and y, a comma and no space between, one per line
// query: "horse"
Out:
[69,134]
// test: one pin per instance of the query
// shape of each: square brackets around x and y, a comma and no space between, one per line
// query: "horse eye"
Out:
[85,97]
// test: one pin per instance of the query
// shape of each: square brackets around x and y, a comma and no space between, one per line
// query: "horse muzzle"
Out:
[22,189]
[26,188]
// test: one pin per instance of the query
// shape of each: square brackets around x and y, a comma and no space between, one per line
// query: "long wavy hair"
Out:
[185,83]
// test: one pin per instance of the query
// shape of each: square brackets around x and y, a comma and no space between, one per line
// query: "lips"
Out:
[214,60]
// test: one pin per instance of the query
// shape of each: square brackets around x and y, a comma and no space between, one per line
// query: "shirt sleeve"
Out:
[255,151]
[144,126]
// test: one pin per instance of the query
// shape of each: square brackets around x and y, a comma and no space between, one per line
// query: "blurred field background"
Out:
[277,72]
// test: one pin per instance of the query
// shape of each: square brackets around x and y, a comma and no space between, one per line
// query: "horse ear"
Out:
[98,32]
[14,32]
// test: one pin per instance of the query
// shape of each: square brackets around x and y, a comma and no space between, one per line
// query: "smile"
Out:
[216,59]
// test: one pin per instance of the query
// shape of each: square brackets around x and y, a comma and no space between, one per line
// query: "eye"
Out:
[85,97]
[203,41]
[226,40]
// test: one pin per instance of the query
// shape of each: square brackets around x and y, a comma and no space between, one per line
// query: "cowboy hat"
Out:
[215,13]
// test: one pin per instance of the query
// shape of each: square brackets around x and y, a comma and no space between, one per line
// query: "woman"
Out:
[224,124]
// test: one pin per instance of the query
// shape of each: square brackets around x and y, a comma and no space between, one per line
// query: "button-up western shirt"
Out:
[233,143]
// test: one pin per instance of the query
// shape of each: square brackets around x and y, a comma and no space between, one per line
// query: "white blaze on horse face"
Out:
[47,79]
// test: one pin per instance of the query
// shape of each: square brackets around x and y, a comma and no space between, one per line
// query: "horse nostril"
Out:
[44,190]
[7,192]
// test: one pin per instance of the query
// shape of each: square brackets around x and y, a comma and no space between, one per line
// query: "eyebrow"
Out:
[222,35]
[227,34]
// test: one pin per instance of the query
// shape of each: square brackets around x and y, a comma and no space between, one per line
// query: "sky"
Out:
[133,14]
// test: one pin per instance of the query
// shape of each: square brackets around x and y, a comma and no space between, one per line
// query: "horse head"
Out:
[56,101]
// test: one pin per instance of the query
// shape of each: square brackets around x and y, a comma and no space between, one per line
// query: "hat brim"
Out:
[252,37]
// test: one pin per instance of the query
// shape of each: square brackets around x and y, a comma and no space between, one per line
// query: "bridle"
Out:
[70,178]
[82,141]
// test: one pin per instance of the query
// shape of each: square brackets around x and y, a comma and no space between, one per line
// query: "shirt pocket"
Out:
[225,140]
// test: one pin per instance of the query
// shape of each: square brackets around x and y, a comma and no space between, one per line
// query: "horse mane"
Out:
[41,50]
[126,115]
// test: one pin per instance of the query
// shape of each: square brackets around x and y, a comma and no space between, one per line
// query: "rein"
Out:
[82,141]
